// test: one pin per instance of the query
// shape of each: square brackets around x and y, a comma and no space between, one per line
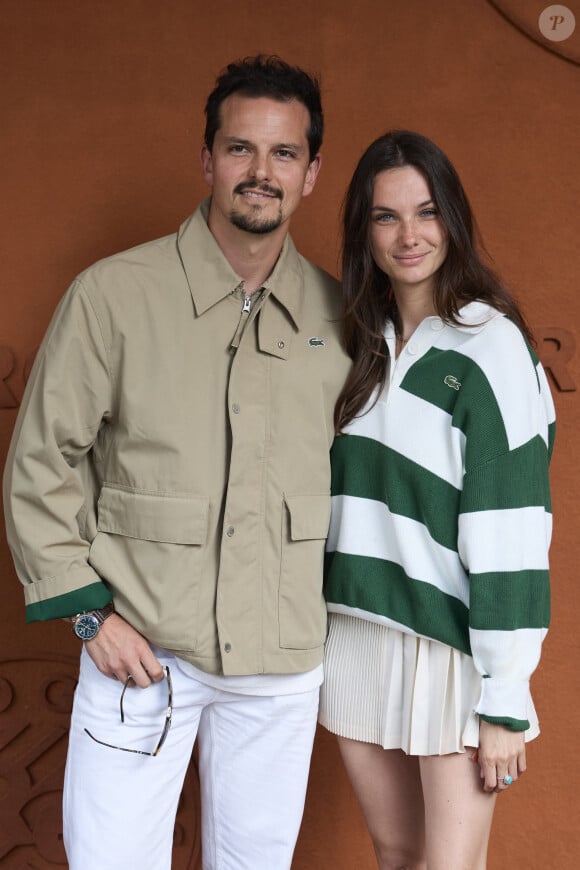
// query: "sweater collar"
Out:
[472,318]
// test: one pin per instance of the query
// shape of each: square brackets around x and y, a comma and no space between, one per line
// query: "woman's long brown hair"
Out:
[368,300]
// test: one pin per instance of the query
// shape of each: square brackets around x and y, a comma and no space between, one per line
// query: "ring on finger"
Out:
[507,780]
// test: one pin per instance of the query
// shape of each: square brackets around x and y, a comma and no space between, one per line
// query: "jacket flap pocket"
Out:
[309,516]
[164,518]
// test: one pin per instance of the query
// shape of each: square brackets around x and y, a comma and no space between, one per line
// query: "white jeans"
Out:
[254,751]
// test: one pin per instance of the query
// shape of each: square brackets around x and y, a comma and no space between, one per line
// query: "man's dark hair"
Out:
[267,76]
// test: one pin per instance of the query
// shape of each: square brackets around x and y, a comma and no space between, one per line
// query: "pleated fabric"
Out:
[399,691]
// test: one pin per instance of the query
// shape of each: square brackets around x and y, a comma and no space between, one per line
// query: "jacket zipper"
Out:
[246,307]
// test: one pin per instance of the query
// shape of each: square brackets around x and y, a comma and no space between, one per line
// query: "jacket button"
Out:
[230,531]
[228,647]
[236,408]
[281,344]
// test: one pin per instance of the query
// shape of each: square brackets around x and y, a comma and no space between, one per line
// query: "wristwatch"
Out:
[86,625]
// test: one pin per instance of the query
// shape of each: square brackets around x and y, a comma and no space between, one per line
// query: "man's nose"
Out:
[260,168]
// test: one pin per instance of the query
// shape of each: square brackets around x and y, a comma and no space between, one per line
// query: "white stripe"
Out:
[505,540]
[549,409]
[509,658]
[364,527]
[444,457]
[507,655]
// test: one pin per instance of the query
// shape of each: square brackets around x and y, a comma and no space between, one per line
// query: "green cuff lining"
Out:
[507,721]
[91,597]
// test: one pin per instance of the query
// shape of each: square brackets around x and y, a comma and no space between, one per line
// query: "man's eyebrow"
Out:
[388,208]
[290,146]
[237,140]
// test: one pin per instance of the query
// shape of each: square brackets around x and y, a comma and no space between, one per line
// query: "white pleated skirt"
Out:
[400,691]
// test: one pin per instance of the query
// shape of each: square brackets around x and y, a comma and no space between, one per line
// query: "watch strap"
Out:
[103,612]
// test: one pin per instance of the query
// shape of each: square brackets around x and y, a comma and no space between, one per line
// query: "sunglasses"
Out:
[166,726]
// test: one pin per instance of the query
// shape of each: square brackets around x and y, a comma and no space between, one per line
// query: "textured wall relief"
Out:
[7,397]
[556,347]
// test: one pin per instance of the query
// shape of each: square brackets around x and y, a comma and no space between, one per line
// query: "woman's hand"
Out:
[501,755]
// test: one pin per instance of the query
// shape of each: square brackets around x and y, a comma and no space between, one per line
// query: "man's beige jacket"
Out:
[172,452]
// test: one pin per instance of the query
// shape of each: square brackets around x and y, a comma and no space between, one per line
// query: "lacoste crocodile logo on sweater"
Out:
[316,342]
[452,382]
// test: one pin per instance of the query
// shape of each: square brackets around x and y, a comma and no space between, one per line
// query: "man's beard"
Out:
[253,222]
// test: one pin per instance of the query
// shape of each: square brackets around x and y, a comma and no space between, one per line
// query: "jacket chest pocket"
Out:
[302,611]
[150,550]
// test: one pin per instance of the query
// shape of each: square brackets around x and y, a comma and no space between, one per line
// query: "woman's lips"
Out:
[410,259]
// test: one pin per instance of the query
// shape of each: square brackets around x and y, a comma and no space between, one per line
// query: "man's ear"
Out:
[206,165]
[312,175]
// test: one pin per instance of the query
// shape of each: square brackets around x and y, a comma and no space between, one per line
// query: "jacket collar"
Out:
[211,278]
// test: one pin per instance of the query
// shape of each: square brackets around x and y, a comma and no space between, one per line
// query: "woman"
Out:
[437,569]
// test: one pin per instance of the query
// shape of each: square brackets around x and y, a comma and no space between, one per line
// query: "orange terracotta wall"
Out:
[101,122]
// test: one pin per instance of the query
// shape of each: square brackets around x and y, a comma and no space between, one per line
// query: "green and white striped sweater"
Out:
[441,514]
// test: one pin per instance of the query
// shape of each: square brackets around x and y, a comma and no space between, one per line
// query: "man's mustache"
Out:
[246,186]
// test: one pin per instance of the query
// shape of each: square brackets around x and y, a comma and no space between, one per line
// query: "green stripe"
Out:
[512,724]
[429,379]
[426,378]
[514,480]
[505,601]
[91,597]
[383,588]
[551,438]
[365,468]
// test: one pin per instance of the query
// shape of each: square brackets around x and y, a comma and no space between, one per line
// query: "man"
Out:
[167,488]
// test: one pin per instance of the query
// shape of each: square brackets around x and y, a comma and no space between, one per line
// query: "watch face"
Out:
[86,626]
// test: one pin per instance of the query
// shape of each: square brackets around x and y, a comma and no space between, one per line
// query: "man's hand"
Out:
[119,651]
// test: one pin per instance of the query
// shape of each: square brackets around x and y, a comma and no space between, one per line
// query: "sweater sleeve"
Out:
[47,479]
[505,525]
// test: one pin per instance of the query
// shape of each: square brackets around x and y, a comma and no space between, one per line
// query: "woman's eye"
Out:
[429,212]
[385,218]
